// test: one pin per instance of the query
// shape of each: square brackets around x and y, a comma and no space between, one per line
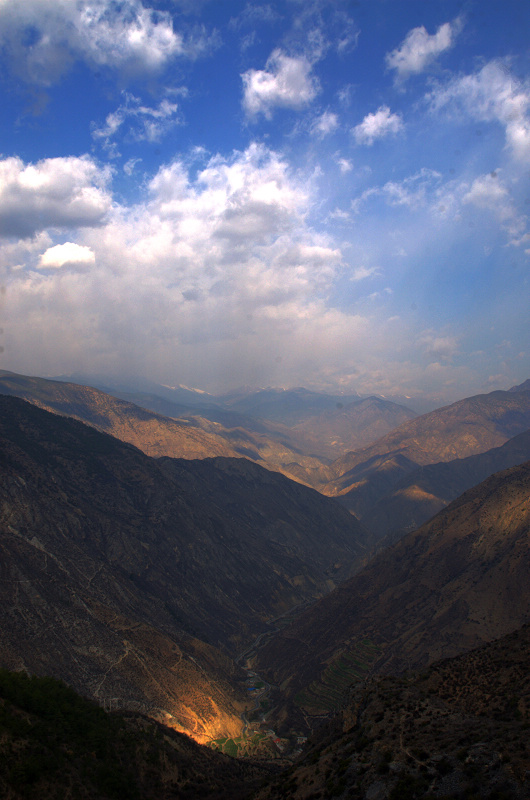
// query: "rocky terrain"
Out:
[457,730]
[422,493]
[148,584]
[178,434]
[56,744]
[351,426]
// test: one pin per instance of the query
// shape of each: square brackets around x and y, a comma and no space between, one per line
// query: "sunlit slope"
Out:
[136,580]
[190,436]
[460,580]
[154,434]
[56,744]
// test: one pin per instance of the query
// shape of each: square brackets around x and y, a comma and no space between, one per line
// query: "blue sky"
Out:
[217,193]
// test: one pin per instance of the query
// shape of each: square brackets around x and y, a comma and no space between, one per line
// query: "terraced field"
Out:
[327,694]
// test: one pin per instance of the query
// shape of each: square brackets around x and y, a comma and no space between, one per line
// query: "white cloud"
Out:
[54,193]
[492,95]
[344,164]
[419,49]
[325,124]
[362,272]
[285,82]
[376,126]
[218,274]
[125,35]
[145,123]
[489,192]
[67,253]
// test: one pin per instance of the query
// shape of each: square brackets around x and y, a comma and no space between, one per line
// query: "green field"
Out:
[241,746]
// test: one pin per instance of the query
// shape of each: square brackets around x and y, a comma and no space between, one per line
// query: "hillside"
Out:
[140,580]
[458,581]
[154,434]
[54,743]
[352,425]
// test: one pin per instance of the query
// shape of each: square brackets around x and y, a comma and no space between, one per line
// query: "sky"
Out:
[215,193]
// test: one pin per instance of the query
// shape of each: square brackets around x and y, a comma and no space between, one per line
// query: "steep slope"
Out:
[427,490]
[465,428]
[123,575]
[460,729]
[460,580]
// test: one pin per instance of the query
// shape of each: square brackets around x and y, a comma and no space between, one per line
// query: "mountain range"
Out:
[231,602]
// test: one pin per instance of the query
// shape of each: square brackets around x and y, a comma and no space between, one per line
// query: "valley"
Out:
[215,595]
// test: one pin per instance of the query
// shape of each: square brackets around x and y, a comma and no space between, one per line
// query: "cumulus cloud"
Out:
[376,126]
[286,82]
[487,191]
[491,95]
[43,37]
[216,272]
[67,253]
[53,193]
[325,124]
[419,49]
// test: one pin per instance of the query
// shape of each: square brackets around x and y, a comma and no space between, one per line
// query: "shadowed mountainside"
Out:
[460,729]
[460,580]
[55,743]
[124,575]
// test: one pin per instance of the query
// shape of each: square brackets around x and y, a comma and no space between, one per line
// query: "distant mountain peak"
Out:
[522,387]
